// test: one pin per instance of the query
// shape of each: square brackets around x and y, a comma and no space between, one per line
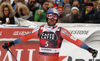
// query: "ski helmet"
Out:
[52,11]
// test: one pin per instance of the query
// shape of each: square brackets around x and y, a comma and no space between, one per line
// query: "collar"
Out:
[50,27]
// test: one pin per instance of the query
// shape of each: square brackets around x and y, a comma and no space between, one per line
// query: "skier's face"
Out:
[52,18]
[51,22]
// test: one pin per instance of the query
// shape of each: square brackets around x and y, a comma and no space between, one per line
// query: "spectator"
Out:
[8,1]
[85,1]
[24,13]
[61,12]
[83,4]
[59,2]
[95,4]
[90,15]
[16,9]
[33,6]
[16,15]
[98,6]
[80,1]
[52,1]
[14,3]
[6,14]
[67,9]
[51,5]
[76,3]
[65,2]
[40,14]
[74,17]
[23,2]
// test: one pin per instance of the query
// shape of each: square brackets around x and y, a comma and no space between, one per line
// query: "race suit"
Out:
[51,38]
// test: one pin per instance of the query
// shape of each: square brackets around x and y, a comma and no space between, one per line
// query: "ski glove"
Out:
[7,45]
[93,51]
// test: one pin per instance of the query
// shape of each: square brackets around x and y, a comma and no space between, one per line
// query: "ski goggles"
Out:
[52,16]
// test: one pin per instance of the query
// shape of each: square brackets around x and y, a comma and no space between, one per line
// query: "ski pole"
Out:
[93,58]
[13,55]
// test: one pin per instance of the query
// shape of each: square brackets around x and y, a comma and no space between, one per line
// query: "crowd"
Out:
[70,11]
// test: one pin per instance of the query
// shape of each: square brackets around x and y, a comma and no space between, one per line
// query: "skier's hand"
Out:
[94,52]
[7,45]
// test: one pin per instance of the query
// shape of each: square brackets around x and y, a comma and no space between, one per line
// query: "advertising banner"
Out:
[9,33]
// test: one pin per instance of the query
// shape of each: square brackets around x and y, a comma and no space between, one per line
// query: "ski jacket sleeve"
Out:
[67,36]
[24,38]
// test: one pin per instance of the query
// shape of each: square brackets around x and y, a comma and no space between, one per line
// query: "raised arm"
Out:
[24,38]
[67,36]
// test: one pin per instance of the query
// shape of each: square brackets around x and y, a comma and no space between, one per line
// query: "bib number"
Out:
[46,43]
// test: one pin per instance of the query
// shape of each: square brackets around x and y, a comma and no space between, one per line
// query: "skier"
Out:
[51,37]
